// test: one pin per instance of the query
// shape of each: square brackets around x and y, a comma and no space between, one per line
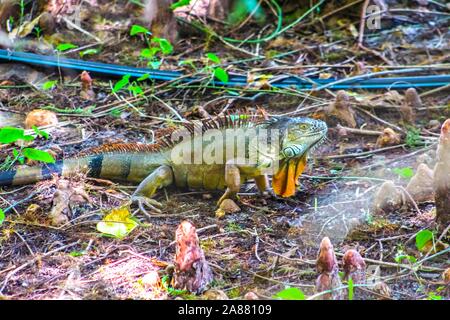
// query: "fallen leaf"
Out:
[117,223]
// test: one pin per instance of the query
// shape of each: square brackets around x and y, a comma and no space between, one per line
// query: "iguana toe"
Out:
[143,202]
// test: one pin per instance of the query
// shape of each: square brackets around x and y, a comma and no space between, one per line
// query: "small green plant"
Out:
[156,49]
[2,216]
[413,137]
[401,256]
[88,52]
[65,46]
[217,72]
[290,294]
[22,11]
[133,86]
[405,172]
[10,135]
[350,289]
[179,4]
[165,281]
[49,85]
[38,32]
[422,238]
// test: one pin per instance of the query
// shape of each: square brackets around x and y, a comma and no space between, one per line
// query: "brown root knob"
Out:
[326,261]
[446,276]
[387,199]
[388,138]
[251,296]
[160,17]
[442,177]
[354,266]
[87,93]
[192,271]
[47,23]
[8,9]
[342,110]
[328,268]
[420,187]
[410,104]
[219,9]
[39,118]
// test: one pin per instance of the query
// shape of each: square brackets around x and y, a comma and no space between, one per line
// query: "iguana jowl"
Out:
[153,165]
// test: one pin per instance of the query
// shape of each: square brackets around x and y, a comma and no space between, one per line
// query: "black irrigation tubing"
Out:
[360,82]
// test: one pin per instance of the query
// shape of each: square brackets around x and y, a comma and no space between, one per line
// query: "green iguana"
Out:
[158,165]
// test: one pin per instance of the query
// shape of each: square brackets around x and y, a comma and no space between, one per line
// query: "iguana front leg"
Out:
[233,172]
[159,178]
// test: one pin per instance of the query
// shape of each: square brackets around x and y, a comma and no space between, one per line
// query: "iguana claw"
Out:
[142,201]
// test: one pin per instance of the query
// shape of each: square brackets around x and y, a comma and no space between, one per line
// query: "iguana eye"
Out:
[303,126]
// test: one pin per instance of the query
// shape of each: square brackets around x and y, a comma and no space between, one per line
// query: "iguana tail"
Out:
[28,175]
[116,166]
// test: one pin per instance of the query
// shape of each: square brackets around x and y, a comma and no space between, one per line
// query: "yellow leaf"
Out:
[25,29]
[117,223]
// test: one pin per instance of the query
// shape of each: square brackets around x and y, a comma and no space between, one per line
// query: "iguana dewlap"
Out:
[212,154]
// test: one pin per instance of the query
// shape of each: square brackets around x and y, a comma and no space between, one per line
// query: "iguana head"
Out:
[299,136]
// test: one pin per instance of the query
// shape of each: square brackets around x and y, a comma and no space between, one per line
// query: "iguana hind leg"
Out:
[159,178]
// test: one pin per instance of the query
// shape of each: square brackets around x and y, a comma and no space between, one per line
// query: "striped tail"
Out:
[28,175]
[131,167]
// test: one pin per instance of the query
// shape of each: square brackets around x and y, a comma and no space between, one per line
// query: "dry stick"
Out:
[384,163]
[360,131]
[381,120]
[394,265]
[427,93]
[23,266]
[410,199]
[360,154]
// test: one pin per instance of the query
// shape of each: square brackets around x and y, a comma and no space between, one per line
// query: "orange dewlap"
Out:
[284,182]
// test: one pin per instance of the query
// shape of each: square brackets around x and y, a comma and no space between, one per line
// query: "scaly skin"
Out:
[155,166]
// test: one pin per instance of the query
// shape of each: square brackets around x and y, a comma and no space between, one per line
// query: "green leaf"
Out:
[65,46]
[213,57]
[400,257]
[422,238]
[136,29]
[290,294]
[116,112]
[179,3]
[149,53]
[2,216]
[41,133]
[221,74]
[144,77]
[10,134]
[137,90]
[88,52]
[122,83]
[38,155]
[49,85]
[406,172]
[117,223]
[76,253]
[350,289]
[164,44]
